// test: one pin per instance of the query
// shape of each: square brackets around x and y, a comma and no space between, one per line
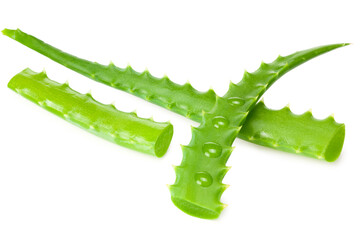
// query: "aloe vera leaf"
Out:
[322,139]
[187,101]
[198,186]
[125,129]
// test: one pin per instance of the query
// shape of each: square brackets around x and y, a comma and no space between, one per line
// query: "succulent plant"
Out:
[321,139]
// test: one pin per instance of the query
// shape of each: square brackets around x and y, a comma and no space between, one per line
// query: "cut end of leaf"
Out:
[194,209]
[163,141]
[335,145]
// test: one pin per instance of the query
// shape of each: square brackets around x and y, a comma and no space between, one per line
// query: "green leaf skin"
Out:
[125,129]
[198,186]
[190,103]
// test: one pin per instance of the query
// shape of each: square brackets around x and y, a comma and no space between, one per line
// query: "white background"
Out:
[60,182]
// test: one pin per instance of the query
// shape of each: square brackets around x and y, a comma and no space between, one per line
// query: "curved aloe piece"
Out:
[190,103]
[198,186]
[125,129]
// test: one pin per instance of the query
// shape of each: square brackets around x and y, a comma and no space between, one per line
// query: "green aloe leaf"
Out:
[125,129]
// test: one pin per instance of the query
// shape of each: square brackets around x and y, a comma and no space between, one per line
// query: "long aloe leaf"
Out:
[261,127]
[198,186]
[125,129]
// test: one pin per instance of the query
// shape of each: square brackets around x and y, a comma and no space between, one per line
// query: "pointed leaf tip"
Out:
[9,32]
